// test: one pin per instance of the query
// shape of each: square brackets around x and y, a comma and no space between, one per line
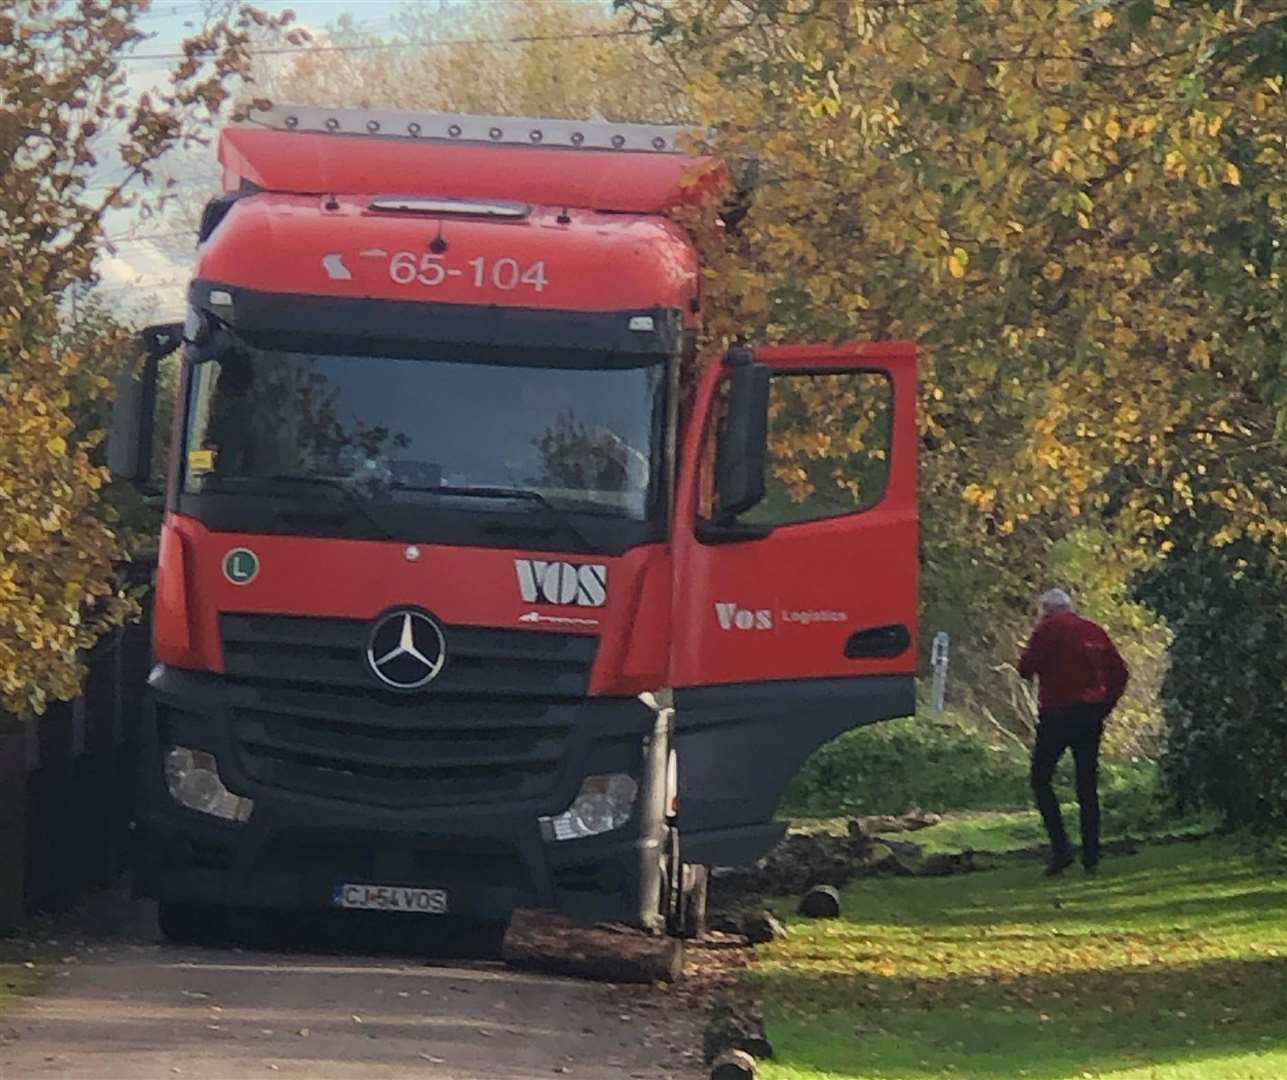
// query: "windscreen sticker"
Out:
[567,584]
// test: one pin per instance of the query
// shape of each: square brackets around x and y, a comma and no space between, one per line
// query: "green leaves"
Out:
[1223,692]
[1139,13]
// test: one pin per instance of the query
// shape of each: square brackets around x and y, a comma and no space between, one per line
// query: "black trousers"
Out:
[1079,728]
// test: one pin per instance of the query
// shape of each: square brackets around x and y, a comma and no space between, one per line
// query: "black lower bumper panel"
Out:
[486,851]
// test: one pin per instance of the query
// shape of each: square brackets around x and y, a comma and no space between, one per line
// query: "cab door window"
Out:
[830,436]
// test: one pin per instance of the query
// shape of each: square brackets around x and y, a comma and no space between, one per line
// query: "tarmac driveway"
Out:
[120,1004]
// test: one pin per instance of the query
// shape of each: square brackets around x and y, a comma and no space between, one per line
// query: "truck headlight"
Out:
[604,803]
[194,781]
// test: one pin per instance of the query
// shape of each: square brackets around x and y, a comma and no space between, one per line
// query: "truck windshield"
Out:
[580,439]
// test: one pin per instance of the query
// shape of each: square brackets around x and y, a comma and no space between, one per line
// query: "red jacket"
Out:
[1076,662]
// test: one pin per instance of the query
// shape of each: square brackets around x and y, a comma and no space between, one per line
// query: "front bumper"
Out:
[487,851]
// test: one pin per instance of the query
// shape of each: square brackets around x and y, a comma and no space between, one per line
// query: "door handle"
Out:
[878,643]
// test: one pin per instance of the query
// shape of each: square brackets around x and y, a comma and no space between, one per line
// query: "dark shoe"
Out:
[1092,869]
[1059,863]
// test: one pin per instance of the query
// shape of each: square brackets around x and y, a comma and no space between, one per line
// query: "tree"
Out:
[1223,692]
[66,107]
[511,57]
[1076,213]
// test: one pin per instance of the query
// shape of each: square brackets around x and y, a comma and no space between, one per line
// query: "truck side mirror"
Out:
[741,451]
[129,444]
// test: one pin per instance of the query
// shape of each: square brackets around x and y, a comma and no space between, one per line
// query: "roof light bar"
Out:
[512,130]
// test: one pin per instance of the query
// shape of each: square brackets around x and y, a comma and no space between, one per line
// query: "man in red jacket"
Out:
[1081,676]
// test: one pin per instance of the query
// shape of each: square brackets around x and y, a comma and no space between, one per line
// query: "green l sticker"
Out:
[241,566]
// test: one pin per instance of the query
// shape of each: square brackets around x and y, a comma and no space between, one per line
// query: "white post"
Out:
[938,661]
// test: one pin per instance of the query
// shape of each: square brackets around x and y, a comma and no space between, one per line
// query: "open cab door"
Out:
[795,547]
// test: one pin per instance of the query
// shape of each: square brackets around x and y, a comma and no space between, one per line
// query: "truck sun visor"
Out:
[619,168]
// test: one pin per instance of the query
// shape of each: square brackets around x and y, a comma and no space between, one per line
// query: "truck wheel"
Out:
[452,937]
[696,887]
[192,924]
[482,939]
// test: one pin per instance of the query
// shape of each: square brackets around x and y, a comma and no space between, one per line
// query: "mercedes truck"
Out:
[478,588]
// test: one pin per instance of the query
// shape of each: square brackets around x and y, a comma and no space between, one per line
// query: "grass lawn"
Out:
[1008,830]
[996,831]
[16,981]
[1172,965]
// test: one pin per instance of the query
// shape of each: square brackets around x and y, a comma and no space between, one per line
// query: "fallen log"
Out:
[734,1065]
[557,946]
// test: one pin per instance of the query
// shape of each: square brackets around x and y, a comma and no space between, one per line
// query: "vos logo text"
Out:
[569,584]
[732,617]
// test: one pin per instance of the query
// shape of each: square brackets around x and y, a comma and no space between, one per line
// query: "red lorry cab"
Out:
[452,615]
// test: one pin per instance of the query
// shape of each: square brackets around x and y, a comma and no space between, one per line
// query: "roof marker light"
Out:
[600,135]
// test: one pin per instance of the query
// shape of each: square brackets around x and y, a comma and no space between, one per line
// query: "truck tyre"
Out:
[192,924]
[481,939]
[696,888]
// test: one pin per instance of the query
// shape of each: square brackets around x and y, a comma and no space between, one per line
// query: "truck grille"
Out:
[309,717]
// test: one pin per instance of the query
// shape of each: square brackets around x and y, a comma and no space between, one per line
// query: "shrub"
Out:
[1222,696]
[950,763]
[937,764]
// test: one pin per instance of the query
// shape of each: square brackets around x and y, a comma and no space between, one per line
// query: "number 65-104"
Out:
[410,267]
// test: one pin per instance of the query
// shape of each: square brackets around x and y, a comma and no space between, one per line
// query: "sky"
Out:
[146,276]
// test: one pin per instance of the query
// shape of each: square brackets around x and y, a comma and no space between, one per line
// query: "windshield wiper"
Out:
[561,517]
[351,497]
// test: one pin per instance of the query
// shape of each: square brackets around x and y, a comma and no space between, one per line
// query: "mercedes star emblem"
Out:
[406,649]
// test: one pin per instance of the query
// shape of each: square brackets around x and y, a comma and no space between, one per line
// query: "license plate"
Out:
[390,898]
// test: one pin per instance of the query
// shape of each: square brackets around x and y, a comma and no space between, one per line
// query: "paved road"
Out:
[119,1004]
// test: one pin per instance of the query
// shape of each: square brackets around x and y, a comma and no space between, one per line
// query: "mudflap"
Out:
[739,745]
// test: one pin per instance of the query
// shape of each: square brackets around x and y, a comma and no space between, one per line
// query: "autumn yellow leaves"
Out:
[1074,208]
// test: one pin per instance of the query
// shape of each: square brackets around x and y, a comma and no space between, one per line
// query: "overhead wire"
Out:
[127,238]
[295,50]
[163,186]
[166,283]
[170,11]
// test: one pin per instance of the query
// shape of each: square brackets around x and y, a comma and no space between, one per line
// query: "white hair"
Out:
[1055,600]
